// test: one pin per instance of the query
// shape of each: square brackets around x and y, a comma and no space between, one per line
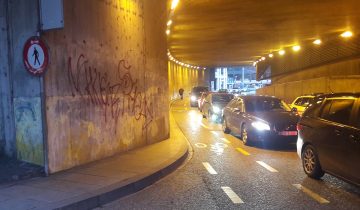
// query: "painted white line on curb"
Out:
[269,168]
[209,168]
[232,195]
[310,193]
[225,140]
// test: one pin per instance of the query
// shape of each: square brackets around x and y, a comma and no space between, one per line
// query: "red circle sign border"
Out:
[39,71]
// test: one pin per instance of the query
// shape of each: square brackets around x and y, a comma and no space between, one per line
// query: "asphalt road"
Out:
[222,173]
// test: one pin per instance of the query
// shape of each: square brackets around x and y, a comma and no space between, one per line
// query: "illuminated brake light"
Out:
[299,127]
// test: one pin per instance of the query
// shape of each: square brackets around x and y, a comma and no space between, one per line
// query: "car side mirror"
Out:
[294,109]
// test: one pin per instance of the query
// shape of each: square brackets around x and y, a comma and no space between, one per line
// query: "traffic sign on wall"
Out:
[35,56]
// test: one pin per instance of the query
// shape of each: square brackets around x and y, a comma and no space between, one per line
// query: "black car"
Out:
[214,104]
[329,137]
[260,118]
[196,93]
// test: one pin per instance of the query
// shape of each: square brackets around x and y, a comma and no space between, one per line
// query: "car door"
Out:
[353,165]
[334,133]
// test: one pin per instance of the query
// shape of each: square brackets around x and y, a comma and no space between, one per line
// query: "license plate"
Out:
[288,133]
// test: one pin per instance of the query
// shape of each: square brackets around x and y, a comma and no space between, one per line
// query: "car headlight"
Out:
[216,109]
[193,98]
[261,126]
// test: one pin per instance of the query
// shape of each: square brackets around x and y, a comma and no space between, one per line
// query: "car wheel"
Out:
[244,135]
[225,128]
[311,162]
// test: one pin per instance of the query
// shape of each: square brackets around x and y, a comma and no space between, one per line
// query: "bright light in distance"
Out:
[271,55]
[261,126]
[263,58]
[216,109]
[168,32]
[254,64]
[317,42]
[193,98]
[296,48]
[174,4]
[346,34]
[281,52]
[169,23]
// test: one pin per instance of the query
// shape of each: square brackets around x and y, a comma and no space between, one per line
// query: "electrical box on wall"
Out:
[51,14]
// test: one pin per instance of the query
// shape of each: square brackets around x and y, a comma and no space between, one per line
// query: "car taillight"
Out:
[299,127]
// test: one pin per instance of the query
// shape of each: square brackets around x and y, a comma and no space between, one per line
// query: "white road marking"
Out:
[209,168]
[312,194]
[232,195]
[225,140]
[269,168]
[215,133]
[200,145]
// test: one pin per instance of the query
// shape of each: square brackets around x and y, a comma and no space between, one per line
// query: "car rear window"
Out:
[265,104]
[338,110]
[222,97]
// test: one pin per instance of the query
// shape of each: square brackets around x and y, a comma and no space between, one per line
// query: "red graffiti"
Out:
[115,94]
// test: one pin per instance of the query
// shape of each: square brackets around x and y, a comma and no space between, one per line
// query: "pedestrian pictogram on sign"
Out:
[35,55]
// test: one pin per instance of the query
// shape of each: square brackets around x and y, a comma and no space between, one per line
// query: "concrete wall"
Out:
[337,77]
[186,78]
[20,92]
[106,87]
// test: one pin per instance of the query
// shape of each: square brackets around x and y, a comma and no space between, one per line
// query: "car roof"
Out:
[252,97]
[341,94]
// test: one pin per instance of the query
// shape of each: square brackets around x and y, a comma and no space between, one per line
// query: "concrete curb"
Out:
[104,197]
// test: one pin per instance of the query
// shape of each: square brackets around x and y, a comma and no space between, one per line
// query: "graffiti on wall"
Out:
[116,94]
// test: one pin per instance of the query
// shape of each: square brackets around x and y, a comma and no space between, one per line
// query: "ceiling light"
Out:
[281,52]
[317,42]
[346,34]
[168,32]
[169,23]
[271,55]
[254,64]
[174,4]
[296,48]
[263,58]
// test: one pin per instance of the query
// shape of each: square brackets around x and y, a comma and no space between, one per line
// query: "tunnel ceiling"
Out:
[237,32]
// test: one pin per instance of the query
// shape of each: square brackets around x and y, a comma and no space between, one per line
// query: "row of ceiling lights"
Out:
[174,4]
[183,64]
[297,48]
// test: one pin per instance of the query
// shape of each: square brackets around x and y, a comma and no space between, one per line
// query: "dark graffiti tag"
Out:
[117,95]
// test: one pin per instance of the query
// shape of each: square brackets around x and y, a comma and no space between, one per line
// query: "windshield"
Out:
[265,105]
[222,97]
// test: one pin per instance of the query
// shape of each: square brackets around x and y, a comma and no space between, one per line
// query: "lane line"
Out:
[215,133]
[202,124]
[244,152]
[232,195]
[209,168]
[225,140]
[312,194]
[269,168]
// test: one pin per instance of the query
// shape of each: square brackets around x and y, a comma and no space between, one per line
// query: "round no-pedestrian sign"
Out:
[36,56]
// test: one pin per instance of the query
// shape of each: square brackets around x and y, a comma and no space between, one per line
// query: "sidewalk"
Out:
[100,182]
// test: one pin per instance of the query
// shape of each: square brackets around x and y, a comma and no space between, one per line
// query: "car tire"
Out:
[225,128]
[311,163]
[244,135]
